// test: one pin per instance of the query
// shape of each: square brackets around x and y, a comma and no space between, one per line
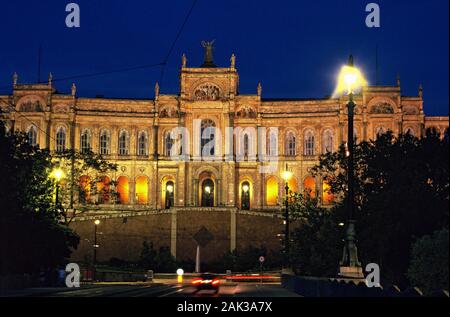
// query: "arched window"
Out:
[432,131]
[271,143]
[32,135]
[327,195]
[207,199]
[245,196]
[271,191]
[169,195]
[123,189]
[309,143]
[103,189]
[85,141]
[207,135]
[327,141]
[409,131]
[168,144]
[309,186]
[105,139]
[124,143]
[246,145]
[142,190]
[142,144]
[60,139]
[290,144]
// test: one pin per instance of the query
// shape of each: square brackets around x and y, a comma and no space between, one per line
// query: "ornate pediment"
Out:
[30,105]
[410,110]
[246,112]
[169,112]
[207,92]
[61,108]
[382,108]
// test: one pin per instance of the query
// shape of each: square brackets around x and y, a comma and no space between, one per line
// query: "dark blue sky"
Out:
[295,48]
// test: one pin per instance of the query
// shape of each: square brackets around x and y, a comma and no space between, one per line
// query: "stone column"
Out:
[132,190]
[219,192]
[233,230]
[195,193]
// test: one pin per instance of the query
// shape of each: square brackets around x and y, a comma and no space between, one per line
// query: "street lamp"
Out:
[57,174]
[286,175]
[96,223]
[350,80]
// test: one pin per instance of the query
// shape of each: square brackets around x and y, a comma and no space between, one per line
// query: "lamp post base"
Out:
[354,272]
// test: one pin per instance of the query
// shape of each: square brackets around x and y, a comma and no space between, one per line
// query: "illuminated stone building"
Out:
[236,196]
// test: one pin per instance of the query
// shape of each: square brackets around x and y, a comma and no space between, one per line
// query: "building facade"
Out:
[208,147]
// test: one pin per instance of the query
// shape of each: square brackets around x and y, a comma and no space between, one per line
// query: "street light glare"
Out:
[245,188]
[58,174]
[286,175]
[169,188]
[350,80]
[97,222]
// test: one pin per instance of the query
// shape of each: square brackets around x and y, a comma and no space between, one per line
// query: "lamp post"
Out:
[96,223]
[57,174]
[350,80]
[286,175]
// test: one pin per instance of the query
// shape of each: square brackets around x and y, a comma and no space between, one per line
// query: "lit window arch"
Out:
[409,131]
[105,142]
[290,144]
[271,191]
[85,141]
[123,189]
[124,143]
[309,143]
[327,141]
[142,144]
[60,139]
[309,186]
[32,135]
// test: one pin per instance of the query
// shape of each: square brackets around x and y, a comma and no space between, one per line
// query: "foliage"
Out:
[401,190]
[428,268]
[246,260]
[158,261]
[93,167]
[316,240]
[32,237]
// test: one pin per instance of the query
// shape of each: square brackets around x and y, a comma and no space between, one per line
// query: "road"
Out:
[156,290]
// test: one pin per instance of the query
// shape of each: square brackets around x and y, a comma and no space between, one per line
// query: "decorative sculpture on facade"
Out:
[208,46]
[382,108]
[207,92]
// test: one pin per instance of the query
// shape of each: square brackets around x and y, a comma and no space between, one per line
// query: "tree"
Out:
[316,240]
[86,173]
[428,268]
[159,261]
[32,237]
[401,192]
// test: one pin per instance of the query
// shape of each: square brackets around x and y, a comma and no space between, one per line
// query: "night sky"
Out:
[295,48]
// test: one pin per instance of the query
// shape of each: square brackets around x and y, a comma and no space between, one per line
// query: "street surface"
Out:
[244,289]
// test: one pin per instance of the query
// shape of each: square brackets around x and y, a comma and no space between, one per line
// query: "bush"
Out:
[428,267]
